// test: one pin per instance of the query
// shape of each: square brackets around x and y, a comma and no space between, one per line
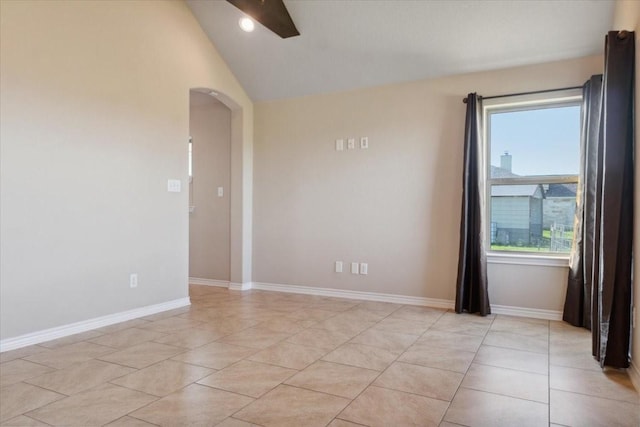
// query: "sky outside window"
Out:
[541,142]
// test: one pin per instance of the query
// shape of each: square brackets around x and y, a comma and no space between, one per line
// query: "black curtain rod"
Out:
[527,93]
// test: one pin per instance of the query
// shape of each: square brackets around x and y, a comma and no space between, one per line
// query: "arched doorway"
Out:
[209,190]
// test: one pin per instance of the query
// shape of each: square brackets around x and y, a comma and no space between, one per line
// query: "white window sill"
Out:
[528,259]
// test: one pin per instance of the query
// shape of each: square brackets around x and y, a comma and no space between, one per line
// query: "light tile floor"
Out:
[275,359]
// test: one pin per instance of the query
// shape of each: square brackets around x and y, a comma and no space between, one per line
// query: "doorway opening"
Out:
[210,129]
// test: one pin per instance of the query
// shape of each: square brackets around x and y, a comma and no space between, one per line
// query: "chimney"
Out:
[505,161]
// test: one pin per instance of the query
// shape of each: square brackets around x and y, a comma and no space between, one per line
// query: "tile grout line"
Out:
[375,323]
[378,376]
[27,416]
[135,418]
[394,361]
[511,369]
[467,370]
[637,403]
[381,372]
[280,383]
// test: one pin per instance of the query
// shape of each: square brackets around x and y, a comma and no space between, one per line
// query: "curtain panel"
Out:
[471,291]
[582,275]
[600,279]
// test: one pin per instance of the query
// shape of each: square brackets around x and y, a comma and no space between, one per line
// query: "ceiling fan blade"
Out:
[273,14]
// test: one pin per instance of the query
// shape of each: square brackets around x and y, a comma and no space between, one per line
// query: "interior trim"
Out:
[535,313]
[87,325]
[634,375]
[366,296]
[99,322]
[208,282]
[239,286]
[527,259]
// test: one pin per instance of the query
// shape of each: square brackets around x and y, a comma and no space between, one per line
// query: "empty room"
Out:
[319,213]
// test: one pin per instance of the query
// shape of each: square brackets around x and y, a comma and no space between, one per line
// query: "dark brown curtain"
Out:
[471,291]
[577,305]
[599,287]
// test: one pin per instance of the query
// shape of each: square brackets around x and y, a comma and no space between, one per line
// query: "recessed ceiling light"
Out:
[247,24]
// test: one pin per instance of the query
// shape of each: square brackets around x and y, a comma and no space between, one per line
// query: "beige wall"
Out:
[210,128]
[528,286]
[627,17]
[395,205]
[94,106]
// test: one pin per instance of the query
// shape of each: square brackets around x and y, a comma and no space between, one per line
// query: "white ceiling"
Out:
[347,44]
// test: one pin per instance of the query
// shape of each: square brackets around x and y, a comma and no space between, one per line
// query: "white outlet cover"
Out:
[364,143]
[220,191]
[351,143]
[339,144]
[338,266]
[174,185]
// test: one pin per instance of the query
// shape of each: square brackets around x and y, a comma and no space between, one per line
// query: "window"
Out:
[533,153]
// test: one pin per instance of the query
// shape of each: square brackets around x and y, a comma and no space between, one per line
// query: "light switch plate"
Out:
[339,144]
[354,268]
[338,266]
[364,142]
[351,143]
[364,268]
[220,191]
[174,186]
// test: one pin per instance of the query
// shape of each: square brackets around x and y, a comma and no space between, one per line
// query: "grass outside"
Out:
[521,248]
[567,234]
[545,245]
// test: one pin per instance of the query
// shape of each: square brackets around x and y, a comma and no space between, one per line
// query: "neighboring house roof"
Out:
[528,190]
[555,190]
[561,190]
[498,172]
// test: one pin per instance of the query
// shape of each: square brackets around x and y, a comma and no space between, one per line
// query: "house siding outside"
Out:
[516,214]
[510,215]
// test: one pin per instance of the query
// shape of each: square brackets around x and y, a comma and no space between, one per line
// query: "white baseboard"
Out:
[366,296]
[87,325]
[208,282]
[634,375]
[403,299]
[240,286]
[536,313]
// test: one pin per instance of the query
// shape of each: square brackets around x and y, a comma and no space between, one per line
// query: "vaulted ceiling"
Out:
[348,44]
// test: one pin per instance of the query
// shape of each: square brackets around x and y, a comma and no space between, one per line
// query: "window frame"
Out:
[555,99]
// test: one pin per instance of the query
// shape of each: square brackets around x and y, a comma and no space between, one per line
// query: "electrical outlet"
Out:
[133,280]
[339,144]
[355,268]
[351,143]
[364,143]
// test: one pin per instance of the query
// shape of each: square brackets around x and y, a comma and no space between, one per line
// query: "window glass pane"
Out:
[532,217]
[542,141]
